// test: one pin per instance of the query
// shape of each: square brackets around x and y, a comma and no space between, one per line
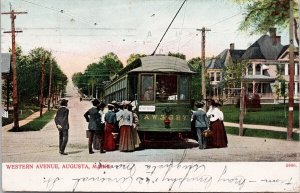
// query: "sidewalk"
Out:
[263,127]
[24,121]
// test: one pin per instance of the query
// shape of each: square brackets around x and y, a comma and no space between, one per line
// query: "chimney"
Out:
[272,32]
[278,39]
[232,46]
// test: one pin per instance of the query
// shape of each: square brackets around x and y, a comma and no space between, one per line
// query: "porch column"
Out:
[253,87]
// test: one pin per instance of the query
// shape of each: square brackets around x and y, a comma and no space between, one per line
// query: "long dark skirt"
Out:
[110,141]
[126,138]
[219,137]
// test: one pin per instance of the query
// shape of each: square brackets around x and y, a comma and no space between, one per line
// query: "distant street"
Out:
[42,146]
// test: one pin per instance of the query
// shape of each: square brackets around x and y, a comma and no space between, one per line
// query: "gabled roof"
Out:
[219,61]
[5,62]
[263,48]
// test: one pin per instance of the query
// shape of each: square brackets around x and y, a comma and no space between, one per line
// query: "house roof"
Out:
[219,61]
[5,62]
[162,64]
[263,48]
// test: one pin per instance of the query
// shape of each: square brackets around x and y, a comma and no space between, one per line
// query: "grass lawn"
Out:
[38,123]
[23,113]
[269,114]
[261,133]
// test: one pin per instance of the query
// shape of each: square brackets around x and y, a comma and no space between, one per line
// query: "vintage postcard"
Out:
[150,96]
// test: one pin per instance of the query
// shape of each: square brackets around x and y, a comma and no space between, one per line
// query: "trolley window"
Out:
[184,88]
[166,87]
[147,93]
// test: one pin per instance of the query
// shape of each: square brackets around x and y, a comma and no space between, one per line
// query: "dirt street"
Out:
[42,146]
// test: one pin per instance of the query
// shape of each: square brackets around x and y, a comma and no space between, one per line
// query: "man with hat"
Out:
[62,123]
[201,124]
[93,117]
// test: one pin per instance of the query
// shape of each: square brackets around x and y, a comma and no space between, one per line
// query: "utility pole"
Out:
[291,74]
[12,14]
[203,70]
[42,85]
[50,85]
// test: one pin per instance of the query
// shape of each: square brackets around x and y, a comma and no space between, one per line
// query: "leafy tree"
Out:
[195,65]
[280,85]
[29,74]
[96,75]
[261,15]
[133,57]
[178,55]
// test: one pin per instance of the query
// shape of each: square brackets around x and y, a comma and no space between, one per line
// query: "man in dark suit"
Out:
[201,124]
[62,124]
[95,126]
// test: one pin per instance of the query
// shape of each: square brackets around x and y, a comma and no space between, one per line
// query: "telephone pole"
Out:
[291,74]
[42,85]
[203,70]
[50,84]
[13,14]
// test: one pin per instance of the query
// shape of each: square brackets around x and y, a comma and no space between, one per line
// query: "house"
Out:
[262,59]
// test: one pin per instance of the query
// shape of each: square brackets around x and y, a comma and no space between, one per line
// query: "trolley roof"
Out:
[162,64]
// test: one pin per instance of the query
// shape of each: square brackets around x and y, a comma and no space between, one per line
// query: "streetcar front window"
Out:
[184,88]
[147,93]
[166,87]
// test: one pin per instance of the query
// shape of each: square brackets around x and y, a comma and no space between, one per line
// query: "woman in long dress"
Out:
[126,134]
[110,130]
[135,123]
[216,117]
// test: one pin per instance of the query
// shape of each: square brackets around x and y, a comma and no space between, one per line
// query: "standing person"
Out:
[135,123]
[96,144]
[201,124]
[110,129]
[62,123]
[126,137]
[216,117]
[93,117]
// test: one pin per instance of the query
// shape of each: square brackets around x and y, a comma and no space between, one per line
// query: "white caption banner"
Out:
[152,177]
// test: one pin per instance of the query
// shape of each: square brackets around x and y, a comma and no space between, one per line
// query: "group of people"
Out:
[116,127]
[209,125]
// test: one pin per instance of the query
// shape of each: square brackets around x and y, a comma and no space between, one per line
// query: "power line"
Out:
[61,12]
[168,27]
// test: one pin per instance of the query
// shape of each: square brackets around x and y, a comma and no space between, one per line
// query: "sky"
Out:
[79,32]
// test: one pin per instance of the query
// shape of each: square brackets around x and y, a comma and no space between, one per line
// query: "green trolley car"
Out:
[159,87]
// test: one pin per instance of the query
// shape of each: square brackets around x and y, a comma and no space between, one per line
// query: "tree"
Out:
[133,57]
[280,85]
[195,65]
[96,75]
[261,15]
[178,55]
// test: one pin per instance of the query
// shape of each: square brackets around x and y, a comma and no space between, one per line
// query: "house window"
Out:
[280,69]
[257,69]
[212,76]
[218,76]
[250,69]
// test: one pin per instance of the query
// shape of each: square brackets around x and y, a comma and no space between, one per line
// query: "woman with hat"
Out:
[216,117]
[126,135]
[110,130]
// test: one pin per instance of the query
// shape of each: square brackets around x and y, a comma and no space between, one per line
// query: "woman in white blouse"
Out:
[216,117]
